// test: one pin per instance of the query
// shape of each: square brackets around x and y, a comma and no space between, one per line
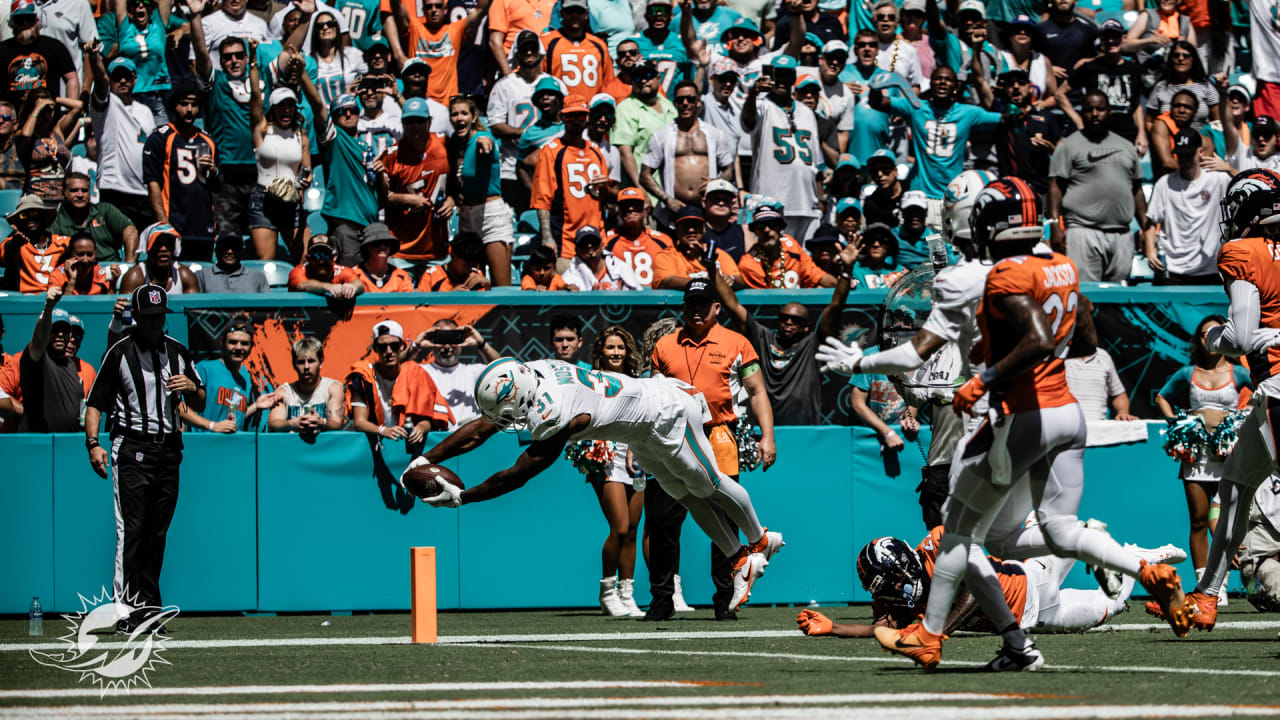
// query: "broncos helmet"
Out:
[958,203]
[1007,210]
[505,392]
[1252,198]
[890,570]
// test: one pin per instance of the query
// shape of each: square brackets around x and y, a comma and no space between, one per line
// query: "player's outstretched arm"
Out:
[465,439]
[815,624]
[532,461]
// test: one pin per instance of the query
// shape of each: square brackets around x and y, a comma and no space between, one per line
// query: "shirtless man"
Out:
[688,152]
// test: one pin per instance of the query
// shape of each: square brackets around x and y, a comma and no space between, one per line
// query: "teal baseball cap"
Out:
[416,107]
[122,62]
[740,24]
[548,83]
[784,62]
[846,204]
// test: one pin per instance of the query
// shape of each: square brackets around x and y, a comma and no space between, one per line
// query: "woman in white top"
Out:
[1020,37]
[337,67]
[284,169]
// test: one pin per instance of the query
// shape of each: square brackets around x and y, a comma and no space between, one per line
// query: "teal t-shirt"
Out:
[481,174]
[534,137]
[882,396]
[709,30]
[939,142]
[348,195]
[228,120]
[670,57]
[146,48]
[870,126]
[874,279]
[363,20]
[911,254]
[226,393]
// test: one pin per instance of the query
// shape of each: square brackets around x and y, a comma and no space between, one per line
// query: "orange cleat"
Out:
[913,641]
[1153,609]
[1165,586]
[1205,610]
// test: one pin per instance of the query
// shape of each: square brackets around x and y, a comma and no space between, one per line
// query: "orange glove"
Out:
[813,622]
[968,395]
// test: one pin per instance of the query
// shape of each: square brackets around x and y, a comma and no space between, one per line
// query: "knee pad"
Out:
[1061,533]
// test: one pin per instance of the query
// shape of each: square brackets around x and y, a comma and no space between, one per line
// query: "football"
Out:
[424,480]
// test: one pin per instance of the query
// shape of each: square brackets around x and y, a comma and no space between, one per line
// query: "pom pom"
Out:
[748,445]
[592,458]
[1186,438]
[1223,438]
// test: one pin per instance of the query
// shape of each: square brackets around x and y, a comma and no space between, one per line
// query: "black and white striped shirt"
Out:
[130,388]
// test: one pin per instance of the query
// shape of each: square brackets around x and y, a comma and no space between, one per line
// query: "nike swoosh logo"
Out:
[1095,157]
[901,646]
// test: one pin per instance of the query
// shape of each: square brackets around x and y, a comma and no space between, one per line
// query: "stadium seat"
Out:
[277,272]
[1145,163]
[8,201]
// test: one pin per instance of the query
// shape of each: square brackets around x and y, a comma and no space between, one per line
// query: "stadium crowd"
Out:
[374,146]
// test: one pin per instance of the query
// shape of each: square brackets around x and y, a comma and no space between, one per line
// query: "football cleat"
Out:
[1205,608]
[1170,554]
[1165,586]
[914,642]
[1013,660]
[1111,581]
[768,545]
[747,568]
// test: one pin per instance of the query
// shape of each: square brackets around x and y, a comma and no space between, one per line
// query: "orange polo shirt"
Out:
[713,365]
[670,262]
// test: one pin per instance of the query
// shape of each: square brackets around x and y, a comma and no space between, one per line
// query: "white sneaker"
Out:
[748,569]
[626,593]
[768,545]
[1222,595]
[610,603]
[677,599]
[1171,554]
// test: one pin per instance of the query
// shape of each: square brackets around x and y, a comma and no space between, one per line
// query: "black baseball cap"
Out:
[1265,125]
[643,69]
[150,300]
[689,212]
[699,289]
[230,239]
[1186,142]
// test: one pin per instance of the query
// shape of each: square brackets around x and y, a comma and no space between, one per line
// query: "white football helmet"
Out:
[505,392]
[957,205]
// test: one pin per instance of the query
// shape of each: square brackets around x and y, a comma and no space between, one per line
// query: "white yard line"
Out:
[212,690]
[175,643]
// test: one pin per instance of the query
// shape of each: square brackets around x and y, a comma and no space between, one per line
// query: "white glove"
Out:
[420,460]
[450,496]
[836,356]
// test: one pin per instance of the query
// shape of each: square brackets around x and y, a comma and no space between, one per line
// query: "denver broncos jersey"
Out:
[562,185]
[27,268]
[169,159]
[639,253]
[1256,261]
[622,408]
[1051,280]
[583,66]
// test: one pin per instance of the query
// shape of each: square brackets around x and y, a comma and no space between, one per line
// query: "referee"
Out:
[143,380]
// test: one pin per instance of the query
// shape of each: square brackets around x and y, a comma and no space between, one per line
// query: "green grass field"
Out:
[577,664]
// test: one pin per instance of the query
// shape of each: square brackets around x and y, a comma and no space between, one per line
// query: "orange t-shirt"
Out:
[99,284]
[799,269]
[1051,280]
[583,66]
[398,281]
[557,283]
[1013,579]
[341,274]
[440,50]
[560,181]
[32,265]
[670,262]
[617,89]
[420,238]
[416,394]
[713,365]
[435,279]
[1257,260]
[639,253]
[512,16]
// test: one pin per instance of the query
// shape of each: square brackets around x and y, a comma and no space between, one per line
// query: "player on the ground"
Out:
[898,579]
[1034,426]
[661,421]
[1249,263]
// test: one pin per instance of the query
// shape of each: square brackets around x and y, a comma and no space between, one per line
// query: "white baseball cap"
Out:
[388,327]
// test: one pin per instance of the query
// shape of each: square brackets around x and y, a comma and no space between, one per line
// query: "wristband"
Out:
[380,429]
[989,376]
[210,426]
[91,443]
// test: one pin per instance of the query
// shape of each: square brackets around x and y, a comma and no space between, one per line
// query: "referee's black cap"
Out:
[150,300]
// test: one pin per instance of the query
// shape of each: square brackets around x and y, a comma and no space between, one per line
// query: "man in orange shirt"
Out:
[581,60]
[776,260]
[462,272]
[1027,318]
[375,271]
[440,44]
[570,181]
[412,185]
[675,266]
[31,252]
[716,361]
[633,242]
[321,275]
[507,18]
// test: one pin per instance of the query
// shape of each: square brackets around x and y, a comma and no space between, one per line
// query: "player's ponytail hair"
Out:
[630,364]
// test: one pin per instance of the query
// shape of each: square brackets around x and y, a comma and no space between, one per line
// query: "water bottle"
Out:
[35,618]
[126,316]
[937,251]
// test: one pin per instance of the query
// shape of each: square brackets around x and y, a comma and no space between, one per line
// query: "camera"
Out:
[444,336]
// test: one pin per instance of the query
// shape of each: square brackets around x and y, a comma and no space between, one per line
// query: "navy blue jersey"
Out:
[169,159]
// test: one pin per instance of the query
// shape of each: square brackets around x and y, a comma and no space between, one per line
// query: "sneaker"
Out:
[1204,610]
[1111,581]
[1169,554]
[747,568]
[610,603]
[913,641]
[677,599]
[627,594]
[1164,585]
[1010,659]
[768,545]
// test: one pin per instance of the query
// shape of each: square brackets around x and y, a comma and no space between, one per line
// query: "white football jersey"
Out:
[622,408]
[957,292]
[788,153]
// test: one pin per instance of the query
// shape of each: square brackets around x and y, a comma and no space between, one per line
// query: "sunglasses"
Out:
[796,319]
[882,170]
[738,36]
[30,215]
[628,53]
[6,117]
[686,100]
[720,199]
[388,347]
[346,111]
[320,252]
[1180,56]
[331,25]
[660,10]
[867,44]
[876,240]
[728,78]
[234,55]
[886,16]
[836,58]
